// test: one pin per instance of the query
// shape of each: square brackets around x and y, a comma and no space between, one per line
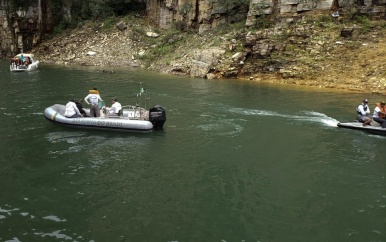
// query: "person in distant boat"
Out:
[93,99]
[115,107]
[380,114]
[80,107]
[363,111]
[21,60]
[71,110]
[14,62]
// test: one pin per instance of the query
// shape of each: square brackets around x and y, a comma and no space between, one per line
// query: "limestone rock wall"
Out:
[258,8]
[21,29]
[200,14]
[207,14]
[6,36]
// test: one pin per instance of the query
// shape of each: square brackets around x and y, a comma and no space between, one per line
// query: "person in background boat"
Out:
[363,111]
[115,107]
[13,63]
[80,107]
[380,114]
[93,99]
[21,60]
[71,110]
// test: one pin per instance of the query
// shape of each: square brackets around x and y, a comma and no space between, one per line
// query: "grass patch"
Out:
[230,28]
[109,23]
[163,46]
[364,22]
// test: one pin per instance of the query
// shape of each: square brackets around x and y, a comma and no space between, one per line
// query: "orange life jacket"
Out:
[383,110]
[93,91]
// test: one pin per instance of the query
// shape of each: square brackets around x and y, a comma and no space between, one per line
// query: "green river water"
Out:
[237,161]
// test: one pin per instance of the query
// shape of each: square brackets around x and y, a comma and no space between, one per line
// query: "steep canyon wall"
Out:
[23,27]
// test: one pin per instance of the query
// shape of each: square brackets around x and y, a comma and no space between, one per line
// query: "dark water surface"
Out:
[237,161]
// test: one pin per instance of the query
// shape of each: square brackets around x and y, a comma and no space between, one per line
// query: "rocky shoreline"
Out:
[320,58]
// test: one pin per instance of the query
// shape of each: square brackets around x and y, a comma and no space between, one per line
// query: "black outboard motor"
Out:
[157,116]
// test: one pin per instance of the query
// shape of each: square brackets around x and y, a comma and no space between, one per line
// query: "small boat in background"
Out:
[23,62]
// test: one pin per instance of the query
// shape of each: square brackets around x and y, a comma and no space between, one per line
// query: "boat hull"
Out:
[55,114]
[375,128]
[30,67]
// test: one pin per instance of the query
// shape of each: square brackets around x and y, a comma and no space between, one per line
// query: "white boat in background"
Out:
[29,63]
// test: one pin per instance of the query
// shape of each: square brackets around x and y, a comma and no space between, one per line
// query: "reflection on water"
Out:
[14,214]
[54,218]
[237,161]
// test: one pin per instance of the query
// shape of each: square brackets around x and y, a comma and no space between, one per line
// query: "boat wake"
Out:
[320,118]
[308,116]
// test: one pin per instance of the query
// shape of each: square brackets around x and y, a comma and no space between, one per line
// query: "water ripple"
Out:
[54,218]
[57,234]
[222,127]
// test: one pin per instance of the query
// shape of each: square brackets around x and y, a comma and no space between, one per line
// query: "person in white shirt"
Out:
[380,114]
[363,112]
[93,100]
[71,110]
[115,107]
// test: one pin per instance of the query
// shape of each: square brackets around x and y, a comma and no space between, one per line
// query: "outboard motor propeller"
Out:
[157,116]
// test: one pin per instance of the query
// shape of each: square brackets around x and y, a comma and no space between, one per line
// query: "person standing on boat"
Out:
[115,107]
[21,60]
[363,111]
[71,110]
[380,114]
[93,99]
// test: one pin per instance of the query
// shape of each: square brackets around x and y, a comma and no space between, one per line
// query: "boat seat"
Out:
[120,112]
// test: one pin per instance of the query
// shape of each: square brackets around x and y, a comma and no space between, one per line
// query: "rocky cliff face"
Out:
[291,40]
[200,14]
[207,14]
[7,38]
[23,28]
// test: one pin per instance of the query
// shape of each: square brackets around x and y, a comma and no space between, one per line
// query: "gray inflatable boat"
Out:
[131,119]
